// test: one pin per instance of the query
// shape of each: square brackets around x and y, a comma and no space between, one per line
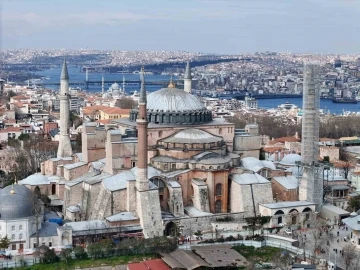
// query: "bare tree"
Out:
[126,103]
[349,255]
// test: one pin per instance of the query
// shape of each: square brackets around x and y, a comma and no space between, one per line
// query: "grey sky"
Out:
[218,26]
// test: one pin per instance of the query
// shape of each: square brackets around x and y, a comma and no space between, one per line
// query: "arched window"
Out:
[210,168]
[173,166]
[13,228]
[20,236]
[13,237]
[53,189]
[20,227]
[279,212]
[218,206]
[218,189]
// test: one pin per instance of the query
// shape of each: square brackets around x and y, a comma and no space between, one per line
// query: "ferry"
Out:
[345,100]
[287,106]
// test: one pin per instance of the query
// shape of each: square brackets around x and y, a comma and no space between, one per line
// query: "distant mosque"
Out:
[115,90]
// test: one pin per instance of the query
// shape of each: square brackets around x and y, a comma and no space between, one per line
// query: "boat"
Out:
[345,100]
[287,105]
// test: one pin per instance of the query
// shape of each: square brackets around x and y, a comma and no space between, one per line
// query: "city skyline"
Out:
[211,26]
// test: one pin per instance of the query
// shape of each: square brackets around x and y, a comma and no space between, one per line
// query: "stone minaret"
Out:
[147,196]
[64,149]
[123,84]
[187,78]
[311,186]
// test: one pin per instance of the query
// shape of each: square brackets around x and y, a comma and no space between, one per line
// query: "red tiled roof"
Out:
[287,139]
[156,264]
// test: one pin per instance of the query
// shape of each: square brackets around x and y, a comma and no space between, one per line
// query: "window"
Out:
[50,244]
[13,237]
[13,228]
[159,183]
[20,236]
[218,189]
[218,206]
[20,227]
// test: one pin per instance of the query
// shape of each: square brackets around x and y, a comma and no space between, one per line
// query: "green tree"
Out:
[94,250]
[107,247]
[354,204]
[23,137]
[80,253]
[4,242]
[65,254]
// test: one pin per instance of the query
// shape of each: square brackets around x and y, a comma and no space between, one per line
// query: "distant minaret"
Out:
[64,149]
[102,84]
[87,75]
[147,199]
[123,84]
[187,78]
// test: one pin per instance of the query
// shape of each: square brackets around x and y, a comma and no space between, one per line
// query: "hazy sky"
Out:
[215,26]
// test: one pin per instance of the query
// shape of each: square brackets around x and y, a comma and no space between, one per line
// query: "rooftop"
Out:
[287,204]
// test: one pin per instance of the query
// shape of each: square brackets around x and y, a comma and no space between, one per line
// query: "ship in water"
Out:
[287,106]
[344,96]
[344,100]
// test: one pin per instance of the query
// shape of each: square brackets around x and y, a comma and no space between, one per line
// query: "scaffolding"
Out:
[311,186]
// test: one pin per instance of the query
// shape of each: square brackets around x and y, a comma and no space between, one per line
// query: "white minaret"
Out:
[64,149]
[187,78]
[123,84]
[102,84]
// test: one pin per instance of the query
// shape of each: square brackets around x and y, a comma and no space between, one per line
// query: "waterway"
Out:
[75,75]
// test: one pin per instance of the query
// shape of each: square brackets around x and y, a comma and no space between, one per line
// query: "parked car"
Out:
[282,224]
[288,231]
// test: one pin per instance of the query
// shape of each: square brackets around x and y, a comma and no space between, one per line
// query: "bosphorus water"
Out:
[76,76]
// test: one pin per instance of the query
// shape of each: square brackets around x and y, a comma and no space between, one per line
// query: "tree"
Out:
[125,103]
[353,204]
[107,247]
[94,250]
[282,260]
[47,255]
[23,137]
[4,242]
[65,254]
[80,253]
[349,255]
[256,222]
[30,154]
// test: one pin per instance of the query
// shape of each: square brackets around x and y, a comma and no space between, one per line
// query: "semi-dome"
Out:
[173,100]
[192,135]
[174,106]
[16,202]
[290,159]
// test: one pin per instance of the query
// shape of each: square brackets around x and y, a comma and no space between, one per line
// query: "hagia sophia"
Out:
[169,168]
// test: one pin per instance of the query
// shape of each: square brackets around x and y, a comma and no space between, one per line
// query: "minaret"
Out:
[123,84]
[102,84]
[64,149]
[187,78]
[311,185]
[142,181]
[147,198]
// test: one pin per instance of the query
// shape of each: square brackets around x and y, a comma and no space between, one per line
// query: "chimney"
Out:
[296,135]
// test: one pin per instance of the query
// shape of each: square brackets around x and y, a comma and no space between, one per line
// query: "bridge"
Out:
[86,84]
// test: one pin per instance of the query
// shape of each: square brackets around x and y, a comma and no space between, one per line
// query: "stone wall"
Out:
[331,151]
[247,146]
[283,194]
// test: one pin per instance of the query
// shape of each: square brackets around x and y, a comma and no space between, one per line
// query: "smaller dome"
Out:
[35,179]
[192,135]
[353,214]
[115,86]
[290,159]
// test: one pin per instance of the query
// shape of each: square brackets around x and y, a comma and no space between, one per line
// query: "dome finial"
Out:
[171,84]
[12,191]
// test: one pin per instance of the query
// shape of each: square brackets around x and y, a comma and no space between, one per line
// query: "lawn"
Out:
[262,254]
[88,263]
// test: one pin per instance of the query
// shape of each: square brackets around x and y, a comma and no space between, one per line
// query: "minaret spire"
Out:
[187,78]
[123,84]
[102,84]
[64,149]
[142,98]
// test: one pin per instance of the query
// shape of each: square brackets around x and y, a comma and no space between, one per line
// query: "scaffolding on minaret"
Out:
[311,186]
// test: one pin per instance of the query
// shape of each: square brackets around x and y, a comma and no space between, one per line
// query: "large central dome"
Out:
[173,100]
[174,106]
